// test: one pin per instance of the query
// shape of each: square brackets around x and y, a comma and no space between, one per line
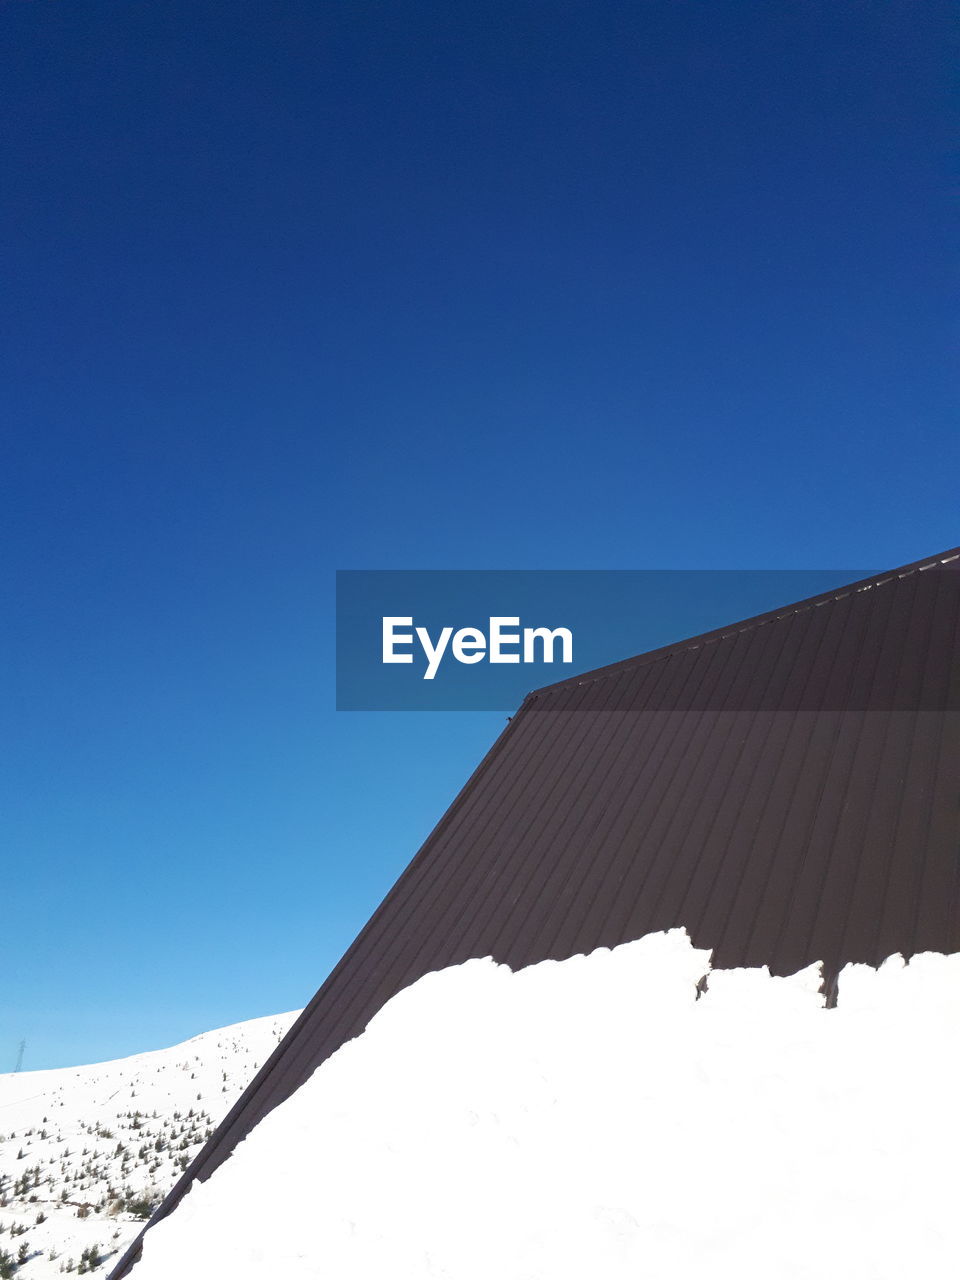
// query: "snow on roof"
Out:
[594,1117]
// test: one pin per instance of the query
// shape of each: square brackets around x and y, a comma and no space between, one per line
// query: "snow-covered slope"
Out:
[603,1117]
[594,1118]
[85,1152]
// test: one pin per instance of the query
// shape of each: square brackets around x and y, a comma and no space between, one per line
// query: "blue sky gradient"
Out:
[297,287]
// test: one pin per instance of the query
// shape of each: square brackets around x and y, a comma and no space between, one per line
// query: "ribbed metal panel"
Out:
[788,789]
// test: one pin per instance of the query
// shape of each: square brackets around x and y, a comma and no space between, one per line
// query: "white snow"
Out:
[84,1141]
[593,1120]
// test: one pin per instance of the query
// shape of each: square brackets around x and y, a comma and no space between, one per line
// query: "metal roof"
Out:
[786,788]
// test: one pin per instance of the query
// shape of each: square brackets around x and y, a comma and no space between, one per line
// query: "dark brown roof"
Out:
[787,788]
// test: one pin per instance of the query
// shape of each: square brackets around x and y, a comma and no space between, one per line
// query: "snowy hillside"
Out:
[85,1152]
[596,1118]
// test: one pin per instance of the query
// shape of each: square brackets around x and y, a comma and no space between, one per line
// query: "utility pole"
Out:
[23,1045]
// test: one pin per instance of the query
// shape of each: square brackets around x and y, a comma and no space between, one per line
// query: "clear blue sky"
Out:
[299,286]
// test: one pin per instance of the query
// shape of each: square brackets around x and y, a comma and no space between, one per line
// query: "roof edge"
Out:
[735,628]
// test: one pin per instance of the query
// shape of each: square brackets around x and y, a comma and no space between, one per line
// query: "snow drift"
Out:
[594,1118]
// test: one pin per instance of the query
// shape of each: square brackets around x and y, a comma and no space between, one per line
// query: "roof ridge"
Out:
[732,629]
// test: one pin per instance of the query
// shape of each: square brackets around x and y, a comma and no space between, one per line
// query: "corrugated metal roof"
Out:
[787,788]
